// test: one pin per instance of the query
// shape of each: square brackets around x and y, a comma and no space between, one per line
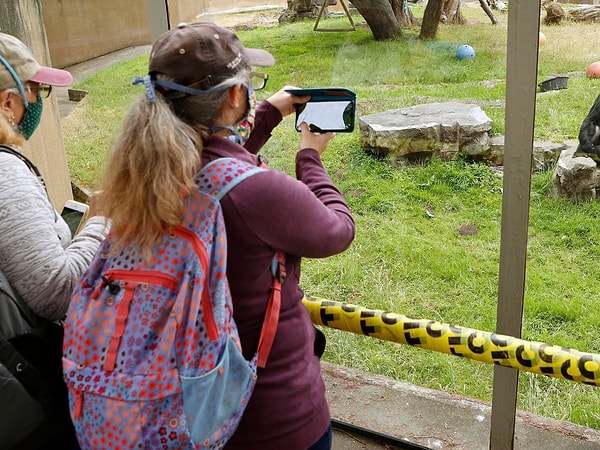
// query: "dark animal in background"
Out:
[555,14]
[589,133]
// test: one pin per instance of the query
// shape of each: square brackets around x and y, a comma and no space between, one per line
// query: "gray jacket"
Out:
[37,254]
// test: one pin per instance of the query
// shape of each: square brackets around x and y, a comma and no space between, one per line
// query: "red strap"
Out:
[78,404]
[269,328]
[198,246]
[115,340]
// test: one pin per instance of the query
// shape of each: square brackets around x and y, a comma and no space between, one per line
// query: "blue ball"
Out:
[465,52]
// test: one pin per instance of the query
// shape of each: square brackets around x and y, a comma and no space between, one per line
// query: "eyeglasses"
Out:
[43,90]
[258,80]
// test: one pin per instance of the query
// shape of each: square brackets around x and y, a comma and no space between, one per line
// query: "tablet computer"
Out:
[329,109]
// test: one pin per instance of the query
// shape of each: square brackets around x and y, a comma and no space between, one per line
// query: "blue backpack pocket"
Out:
[214,402]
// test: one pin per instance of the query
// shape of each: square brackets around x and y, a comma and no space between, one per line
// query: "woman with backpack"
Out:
[200,106]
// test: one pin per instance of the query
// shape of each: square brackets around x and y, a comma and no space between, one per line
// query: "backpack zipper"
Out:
[129,280]
[139,277]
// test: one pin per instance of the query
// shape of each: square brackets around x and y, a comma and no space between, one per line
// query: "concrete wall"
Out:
[79,30]
[65,32]
[22,19]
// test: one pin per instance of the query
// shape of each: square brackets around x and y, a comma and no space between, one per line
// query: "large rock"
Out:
[545,154]
[436,129]
[575,176]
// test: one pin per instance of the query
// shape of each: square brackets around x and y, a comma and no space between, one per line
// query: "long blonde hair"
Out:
[150,169]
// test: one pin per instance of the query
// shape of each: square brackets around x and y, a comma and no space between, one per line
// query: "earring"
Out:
[11,120]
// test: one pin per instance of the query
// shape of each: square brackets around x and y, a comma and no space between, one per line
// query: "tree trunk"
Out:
[403,14]
[380,17]
[431,19]
[453,13]
[385,18]
[587,13]
[488,11]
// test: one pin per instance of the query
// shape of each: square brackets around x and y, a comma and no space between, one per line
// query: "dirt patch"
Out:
[246,20]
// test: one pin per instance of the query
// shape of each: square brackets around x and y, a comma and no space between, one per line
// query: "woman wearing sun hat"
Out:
[200,106]
[38,255]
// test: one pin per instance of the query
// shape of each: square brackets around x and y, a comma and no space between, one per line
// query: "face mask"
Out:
[241,131]
[31,119]
[33,111]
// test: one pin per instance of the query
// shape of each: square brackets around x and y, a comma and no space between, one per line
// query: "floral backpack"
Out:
[151,354]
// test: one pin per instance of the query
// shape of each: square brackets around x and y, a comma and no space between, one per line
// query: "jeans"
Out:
[324,442]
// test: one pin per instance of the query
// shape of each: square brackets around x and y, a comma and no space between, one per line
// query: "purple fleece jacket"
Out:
[307,217]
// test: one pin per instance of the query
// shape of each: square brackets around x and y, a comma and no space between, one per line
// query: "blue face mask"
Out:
[32,117]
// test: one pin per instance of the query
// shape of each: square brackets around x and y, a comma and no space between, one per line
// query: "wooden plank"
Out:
[521,79]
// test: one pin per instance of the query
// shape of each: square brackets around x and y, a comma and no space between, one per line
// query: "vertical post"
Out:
[521,83]
[158,17]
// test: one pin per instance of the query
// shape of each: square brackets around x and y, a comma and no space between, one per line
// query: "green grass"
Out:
[404,260]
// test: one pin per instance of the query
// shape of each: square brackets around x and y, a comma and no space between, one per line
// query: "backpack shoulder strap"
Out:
[221,175]
[218,177]
[32,167]
[22,157]
[269,328]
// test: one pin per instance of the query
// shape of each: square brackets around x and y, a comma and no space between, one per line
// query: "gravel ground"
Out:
[244,20]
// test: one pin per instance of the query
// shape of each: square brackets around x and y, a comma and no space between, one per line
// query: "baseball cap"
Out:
[202,55]
[25,66]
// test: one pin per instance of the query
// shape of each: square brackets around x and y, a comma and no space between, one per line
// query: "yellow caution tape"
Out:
[536,357]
